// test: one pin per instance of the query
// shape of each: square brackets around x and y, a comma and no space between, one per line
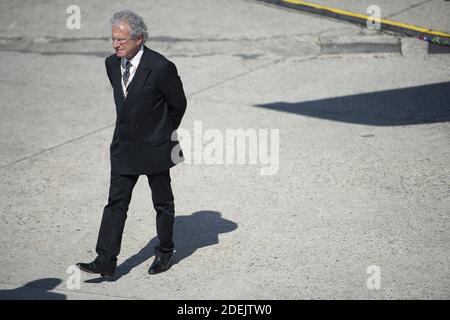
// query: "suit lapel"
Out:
[136,84]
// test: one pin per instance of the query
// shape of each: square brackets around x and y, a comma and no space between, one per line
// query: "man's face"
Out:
[122,42]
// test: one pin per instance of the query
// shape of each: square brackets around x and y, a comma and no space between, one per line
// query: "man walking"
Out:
[150,103]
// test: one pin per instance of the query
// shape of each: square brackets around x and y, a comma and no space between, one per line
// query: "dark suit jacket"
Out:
[146,118]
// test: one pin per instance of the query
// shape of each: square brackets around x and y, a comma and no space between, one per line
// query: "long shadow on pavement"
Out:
[407,106]
[201,229]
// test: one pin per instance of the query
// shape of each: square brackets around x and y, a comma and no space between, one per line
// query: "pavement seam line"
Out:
[245,73]
[409,8]
[57,146]
[111,125]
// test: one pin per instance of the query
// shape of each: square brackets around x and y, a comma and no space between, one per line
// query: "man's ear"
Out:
[140,40]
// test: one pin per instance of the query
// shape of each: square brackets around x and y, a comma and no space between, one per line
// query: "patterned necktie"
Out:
[126,74]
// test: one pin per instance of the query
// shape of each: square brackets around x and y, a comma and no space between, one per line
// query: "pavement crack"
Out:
[234,77]
[55,147]
[246,73]
[111,125]
[408,8]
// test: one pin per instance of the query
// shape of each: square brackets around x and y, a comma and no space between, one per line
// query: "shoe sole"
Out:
[107,275]
[103,274]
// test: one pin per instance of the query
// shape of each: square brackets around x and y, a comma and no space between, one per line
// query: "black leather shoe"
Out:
[105,269]
[161,263]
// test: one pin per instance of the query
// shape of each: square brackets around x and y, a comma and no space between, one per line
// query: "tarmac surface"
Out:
[357,208]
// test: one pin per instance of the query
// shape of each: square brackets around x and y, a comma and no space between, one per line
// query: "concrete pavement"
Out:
[364,156]
[432,14]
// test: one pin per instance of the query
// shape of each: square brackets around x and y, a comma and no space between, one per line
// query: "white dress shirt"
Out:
[134,65]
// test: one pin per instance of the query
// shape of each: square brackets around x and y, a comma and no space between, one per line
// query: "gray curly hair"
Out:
[135,22]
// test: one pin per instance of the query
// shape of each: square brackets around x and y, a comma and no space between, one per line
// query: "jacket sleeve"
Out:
[108,72]
[172,89]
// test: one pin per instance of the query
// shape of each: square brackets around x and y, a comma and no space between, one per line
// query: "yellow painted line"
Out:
[366,17]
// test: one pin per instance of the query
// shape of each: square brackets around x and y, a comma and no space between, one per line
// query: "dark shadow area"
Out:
[200,229]
[434,48]
[34,290]
[414,105]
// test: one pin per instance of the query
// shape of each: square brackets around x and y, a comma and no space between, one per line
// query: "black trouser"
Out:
[115,214]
